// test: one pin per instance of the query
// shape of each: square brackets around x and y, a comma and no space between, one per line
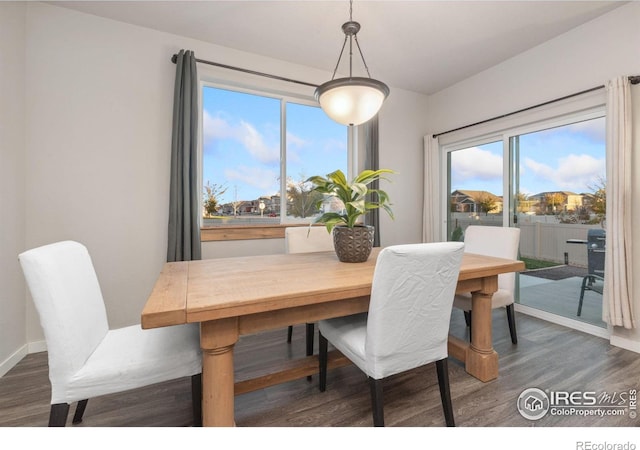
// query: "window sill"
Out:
[236,233]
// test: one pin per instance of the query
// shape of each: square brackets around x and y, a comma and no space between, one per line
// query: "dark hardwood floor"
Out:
[548,356]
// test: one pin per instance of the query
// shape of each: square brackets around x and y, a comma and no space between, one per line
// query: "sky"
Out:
[568,158]
[242,143]
[242,150]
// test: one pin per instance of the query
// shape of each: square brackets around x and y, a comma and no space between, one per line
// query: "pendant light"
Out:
[352,100]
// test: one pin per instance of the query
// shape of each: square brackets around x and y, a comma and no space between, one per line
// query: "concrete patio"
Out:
[557,290]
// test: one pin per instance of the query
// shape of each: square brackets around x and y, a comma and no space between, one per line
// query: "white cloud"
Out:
[255,143]
[475,163]
[335,145]
[295,141]
[573,173]
[245,133]
[259,177]
[215,127]
[294,145]
[594,129]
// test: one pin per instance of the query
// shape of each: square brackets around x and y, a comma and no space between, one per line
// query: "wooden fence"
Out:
[541,237]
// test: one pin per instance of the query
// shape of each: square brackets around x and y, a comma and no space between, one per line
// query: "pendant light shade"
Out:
[351,100]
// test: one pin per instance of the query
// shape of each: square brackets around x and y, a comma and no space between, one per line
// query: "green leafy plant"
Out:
[357,197]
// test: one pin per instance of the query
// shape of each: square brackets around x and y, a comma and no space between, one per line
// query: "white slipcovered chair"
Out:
[86,358]
[501,242]
[407,325]
[306,240]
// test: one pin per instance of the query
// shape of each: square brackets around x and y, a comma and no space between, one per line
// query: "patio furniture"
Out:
[594,280]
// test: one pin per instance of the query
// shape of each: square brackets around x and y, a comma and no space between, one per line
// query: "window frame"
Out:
[260,231]
[504,133]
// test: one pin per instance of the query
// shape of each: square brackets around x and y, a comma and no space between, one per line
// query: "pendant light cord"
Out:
[351,36]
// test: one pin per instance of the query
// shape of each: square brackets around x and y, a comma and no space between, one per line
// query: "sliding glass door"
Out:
[548,179]
[559,196]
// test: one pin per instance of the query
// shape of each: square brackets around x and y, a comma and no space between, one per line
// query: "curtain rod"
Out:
[174,58]
[632,80]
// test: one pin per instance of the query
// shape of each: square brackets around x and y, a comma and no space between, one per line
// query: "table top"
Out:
[228,287]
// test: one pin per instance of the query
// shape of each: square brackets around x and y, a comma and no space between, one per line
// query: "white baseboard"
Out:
[12,360]
[625,343]
[37,347]
[564,321]
[616,341]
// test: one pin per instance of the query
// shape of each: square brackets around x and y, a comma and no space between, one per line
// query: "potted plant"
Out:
[352,239]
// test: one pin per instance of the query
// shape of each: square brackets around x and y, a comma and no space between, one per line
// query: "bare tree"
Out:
[211,198]
[302,199]
[599,202]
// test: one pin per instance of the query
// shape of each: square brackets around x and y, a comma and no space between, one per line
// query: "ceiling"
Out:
[422,46]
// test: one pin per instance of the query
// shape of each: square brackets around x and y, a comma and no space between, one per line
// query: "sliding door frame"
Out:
[597,109]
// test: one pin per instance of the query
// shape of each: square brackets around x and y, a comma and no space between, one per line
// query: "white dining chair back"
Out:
[307,239]
[67,296]
[500,242]
[407,324]
[86,358]
[410,307]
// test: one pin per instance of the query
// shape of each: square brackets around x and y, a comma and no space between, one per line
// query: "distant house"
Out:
[475,202]
[558,201]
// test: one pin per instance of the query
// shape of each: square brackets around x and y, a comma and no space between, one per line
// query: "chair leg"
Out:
[467,317]
[289,333]
[196,399]
[582,289]
[322,360]
[377,402]
[310,333]
[58,415]
[511,317]
[77,417]
[442,368]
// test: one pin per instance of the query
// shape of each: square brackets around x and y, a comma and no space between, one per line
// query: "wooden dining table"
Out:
[230,297]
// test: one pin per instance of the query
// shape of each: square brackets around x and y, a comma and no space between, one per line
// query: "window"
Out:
[548,179]
[555,174]
[475,187]
[257,152]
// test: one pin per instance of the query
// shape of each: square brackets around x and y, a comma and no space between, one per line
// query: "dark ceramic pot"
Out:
[353,244]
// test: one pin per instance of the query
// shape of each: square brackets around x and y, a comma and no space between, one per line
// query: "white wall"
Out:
[583,58]
[12,172]
[402,127]
[99,104]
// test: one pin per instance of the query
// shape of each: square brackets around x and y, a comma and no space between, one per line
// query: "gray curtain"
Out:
[371,162]
[184,227]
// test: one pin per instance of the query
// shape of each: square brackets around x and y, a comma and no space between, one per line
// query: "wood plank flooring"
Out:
[547,356]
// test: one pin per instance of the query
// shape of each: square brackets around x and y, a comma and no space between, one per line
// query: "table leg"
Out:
[482,359]
[217,339]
